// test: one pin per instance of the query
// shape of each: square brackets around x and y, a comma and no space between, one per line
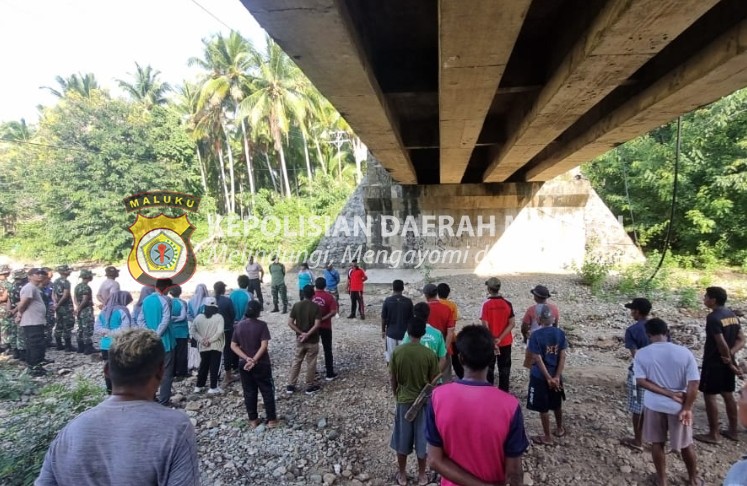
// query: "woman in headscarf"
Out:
[195,306]
[144,292]
[113,318]
[208,330]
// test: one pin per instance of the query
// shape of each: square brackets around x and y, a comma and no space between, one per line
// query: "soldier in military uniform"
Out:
[46,293]
[5,287]
[84,312]
[64,309]
[16,339]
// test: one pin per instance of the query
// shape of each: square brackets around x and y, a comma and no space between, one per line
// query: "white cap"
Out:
[209,302]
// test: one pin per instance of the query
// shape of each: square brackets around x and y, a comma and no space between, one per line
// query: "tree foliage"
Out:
[710,221]
[252,137]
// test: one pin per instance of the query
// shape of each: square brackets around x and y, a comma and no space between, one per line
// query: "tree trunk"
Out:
[230,168]
[283,167]
[202,169]
[249,168]
[272,173]
[320,156]
[222,174]
[306,153]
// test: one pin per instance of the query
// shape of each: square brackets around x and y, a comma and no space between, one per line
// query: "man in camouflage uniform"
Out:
[5,287]
[64,309]
[46,292]
[84,312]
[16,339]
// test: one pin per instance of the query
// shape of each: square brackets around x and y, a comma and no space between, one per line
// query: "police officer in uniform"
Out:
[46,292]
[5,288]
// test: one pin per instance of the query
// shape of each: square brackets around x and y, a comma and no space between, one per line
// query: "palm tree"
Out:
[186,106]
[15,131]
[83,84]
[229,60]
[146,88]
[278,99]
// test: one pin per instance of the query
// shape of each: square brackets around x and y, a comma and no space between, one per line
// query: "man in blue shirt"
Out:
[547,346]
[636,339]
[332,277]
[240,298]
[156,316]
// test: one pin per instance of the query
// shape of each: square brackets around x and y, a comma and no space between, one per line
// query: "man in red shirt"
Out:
[442,318]
[356,277]
[328,307]
[498,316]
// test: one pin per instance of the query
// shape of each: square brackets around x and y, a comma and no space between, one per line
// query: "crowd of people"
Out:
[147,347]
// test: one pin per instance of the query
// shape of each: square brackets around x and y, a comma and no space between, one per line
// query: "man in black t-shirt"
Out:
[724,339]
[395,313]
[226,309]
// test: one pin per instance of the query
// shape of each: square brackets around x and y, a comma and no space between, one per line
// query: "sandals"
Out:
[559,432]
[628,442]
[706,438]
[734,437]
[400,480]
[540,440]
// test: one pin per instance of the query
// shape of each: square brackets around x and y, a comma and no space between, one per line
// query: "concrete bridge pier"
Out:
[483,228]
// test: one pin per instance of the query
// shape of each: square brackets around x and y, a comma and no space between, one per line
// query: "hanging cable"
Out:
[667,239]
[630,204]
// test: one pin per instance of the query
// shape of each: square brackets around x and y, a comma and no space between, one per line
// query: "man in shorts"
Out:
[636,339]
[547,346]
[669,374]
[411,368]
[724,339]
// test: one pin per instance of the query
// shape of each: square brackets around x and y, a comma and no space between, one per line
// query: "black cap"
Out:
[640,304]
[540,291]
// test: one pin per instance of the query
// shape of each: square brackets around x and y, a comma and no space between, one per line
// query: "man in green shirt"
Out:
[64,308]
[277,283]
[84,312]
[305,319]
[411,368]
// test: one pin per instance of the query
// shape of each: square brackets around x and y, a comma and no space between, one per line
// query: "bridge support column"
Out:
[485,228]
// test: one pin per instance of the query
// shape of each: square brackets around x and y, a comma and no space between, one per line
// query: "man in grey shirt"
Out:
[108,287]
[128,439]
[32,319]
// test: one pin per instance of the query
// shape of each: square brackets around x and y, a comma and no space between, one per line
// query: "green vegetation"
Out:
[29,430]
[710,224]
[253,138]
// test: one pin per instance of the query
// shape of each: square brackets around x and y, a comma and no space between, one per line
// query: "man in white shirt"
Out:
[256,273]
[32,319]
[669,374]
[108,286]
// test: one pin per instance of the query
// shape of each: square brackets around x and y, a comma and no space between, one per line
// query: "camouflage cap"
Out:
[86,274]
[19,274]
[4,269]
[63,269]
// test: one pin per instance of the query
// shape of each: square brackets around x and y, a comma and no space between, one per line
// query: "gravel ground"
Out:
[341,434]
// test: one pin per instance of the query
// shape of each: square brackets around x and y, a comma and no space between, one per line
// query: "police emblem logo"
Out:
[161,246]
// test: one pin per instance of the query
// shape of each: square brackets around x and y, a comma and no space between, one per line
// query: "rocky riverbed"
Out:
[341,434]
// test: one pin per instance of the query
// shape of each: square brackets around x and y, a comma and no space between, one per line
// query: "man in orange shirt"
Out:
[498,316]
[443,296]
[356,277]
[442,318]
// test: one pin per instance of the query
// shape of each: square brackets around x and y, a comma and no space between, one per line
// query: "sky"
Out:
[41,39]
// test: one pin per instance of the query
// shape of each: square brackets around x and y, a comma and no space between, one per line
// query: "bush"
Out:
[29,430]
[13,386]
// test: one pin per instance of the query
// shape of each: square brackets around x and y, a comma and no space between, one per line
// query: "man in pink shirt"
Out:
[486,444]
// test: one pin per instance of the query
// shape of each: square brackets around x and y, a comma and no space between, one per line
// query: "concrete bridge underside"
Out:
[493,91]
